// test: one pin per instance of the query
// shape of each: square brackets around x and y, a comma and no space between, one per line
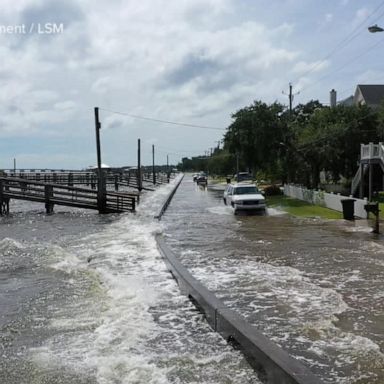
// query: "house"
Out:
[371,95]
[348,102]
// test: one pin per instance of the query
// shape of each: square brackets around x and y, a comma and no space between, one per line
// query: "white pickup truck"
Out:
[244,197]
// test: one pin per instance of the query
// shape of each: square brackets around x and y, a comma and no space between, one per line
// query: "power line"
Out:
[344,65]
[352,35]
[163,121]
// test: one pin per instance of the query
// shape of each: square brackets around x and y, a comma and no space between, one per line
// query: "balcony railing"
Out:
[372,151]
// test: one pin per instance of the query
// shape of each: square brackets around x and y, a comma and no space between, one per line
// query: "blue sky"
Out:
[189,61]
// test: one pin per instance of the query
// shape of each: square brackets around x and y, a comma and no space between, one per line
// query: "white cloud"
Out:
[116,121]
[361,15]
[65,105]
[190,61]
[370,77]
[303,67]
[328,17]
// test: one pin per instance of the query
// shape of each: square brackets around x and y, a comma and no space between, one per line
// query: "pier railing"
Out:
[51,194]
[116,179]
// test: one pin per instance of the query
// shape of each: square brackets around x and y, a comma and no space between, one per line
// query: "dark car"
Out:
[243,176]
[202,178]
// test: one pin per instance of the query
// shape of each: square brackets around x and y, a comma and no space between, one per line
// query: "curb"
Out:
[168,200]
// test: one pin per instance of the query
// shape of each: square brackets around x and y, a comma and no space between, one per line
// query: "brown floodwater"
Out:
[313,286]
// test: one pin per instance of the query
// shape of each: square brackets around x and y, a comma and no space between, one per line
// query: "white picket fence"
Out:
[324,199]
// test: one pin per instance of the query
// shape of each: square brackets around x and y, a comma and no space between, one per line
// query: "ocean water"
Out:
[86,298]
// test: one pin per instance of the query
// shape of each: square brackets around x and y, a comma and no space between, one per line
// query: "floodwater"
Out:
[86,298]
[313,286]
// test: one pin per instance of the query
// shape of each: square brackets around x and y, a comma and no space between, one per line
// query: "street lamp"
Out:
[375,28]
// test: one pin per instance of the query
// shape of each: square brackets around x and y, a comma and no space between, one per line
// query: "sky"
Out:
[191,63]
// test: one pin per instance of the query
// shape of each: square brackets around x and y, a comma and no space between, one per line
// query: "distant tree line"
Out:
[283,146]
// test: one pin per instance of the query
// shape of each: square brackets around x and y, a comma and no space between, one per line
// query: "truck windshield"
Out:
[245,190]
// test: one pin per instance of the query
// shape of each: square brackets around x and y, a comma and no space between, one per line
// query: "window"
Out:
[245,190]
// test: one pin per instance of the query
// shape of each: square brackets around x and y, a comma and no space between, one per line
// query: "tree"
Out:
[254,135]
[222,163]
[296,146]
[330,139]
[195,164]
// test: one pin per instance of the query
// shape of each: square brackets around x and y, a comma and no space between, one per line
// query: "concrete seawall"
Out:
[168,199]
[273,363]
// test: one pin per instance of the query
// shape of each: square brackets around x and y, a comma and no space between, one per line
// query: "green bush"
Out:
[378,196]
[272,190]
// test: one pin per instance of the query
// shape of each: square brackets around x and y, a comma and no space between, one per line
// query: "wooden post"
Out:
[168,173]
[361,190]
[48,191]
[382,181]
[376,229]
[139,177]
[1,197]
[153,165]
[370,182]
[4,201]
[101,187]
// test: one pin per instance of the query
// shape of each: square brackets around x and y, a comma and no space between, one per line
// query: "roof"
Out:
[95,166]
[373,94]
[347,101]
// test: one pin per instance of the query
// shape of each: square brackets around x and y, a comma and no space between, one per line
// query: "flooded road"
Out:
[313,286]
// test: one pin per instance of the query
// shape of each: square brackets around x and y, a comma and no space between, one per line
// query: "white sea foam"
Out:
[221,210]
[359,228]
[64,260]
[8,243]
[275,212]
[348,348]
[135,327]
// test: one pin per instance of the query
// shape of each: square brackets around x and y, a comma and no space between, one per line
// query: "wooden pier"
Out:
[51,194]
[116,178]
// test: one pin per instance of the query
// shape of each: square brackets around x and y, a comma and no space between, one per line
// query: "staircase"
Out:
[369,154]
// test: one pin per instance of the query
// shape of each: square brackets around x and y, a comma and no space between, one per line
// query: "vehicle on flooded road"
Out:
[202,178]
[242,176]
[244,197]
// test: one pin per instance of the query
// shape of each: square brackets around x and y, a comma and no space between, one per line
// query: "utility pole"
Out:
[139,178]
[290,96]
[168,173]
[101,190]
[14,164]
[153,165]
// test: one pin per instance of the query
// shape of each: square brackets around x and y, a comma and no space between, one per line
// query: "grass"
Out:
[301,208]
